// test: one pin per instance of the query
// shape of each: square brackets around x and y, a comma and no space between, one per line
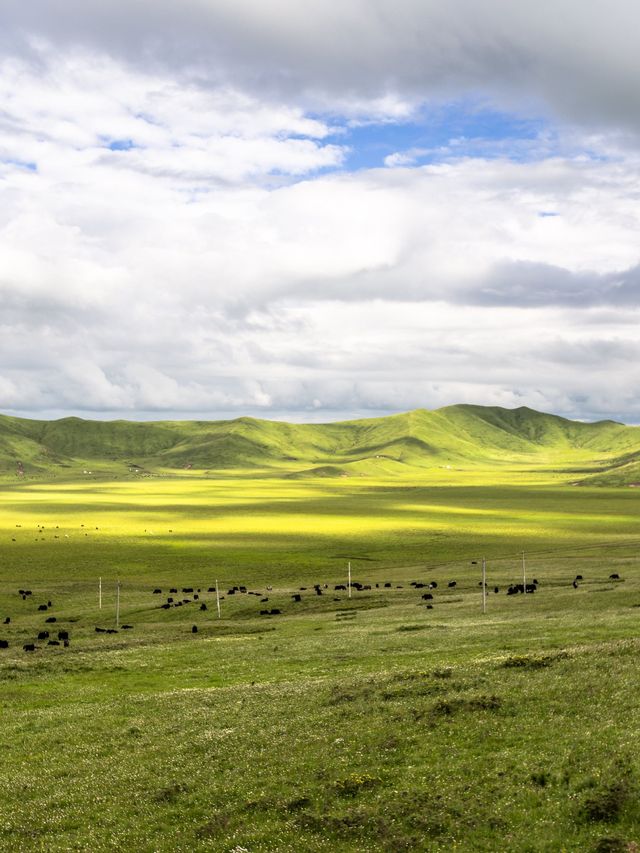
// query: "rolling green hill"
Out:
[464,435]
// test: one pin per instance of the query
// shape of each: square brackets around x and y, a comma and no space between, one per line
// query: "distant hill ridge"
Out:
[454,435]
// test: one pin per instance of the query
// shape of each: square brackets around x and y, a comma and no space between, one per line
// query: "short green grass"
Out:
[362,724]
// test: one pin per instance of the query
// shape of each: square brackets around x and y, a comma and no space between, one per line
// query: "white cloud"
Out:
[219,260]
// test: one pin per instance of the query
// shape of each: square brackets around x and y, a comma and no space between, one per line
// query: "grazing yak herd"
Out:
[174,599]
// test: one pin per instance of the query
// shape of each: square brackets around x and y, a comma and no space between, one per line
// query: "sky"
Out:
[321,210]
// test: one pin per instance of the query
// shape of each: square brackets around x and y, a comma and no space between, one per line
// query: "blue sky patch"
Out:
[446,131]
[120,144]
[29,165]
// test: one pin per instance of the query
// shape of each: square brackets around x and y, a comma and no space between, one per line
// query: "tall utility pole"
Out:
[484,585]
[349,570]
[117,604]
[99,593]
[524,575]
[217,598]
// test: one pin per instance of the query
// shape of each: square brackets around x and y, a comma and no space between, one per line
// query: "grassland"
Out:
[342,724]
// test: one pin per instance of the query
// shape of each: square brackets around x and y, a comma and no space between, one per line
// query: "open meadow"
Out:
[384,721]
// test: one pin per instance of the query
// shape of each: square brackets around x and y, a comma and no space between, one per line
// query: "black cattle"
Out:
[535,580]
[196,597]
[614,577]
[42,607]
[211,589]
[296,597]
[170,600]
[194,629]
[303,589]
[49,604]
[127,627]
[420,586]
[433,585]
[4,644]
[318,591]
[512,590]
[50,620]
[178,604]
[111,631]
[203,606]
[187,589]
[429,606]
[7,620]
[43,635]
[368,586]
[262,600]
[264,613]
[231,591]
[339,586]
[65,643]
[29,647]
[575,584]
[53,643]
[377,586]
[496,589]
[530,588]
[275,611]
[157,591]
[578,577]
[387,585]
[243,589]
[427,596]
[24,597]
[474,562]
[100,630]
[451,584]
[173,589]
[165,606]
[63,635]
[186,601]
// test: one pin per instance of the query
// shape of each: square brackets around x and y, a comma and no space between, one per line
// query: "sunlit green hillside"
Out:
[455,436]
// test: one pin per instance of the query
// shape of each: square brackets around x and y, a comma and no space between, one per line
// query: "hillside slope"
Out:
[455,435]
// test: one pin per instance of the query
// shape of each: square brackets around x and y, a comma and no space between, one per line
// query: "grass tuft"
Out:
[449,707]
[610,799]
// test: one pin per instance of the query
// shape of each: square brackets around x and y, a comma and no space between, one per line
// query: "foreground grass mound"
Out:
[393,729]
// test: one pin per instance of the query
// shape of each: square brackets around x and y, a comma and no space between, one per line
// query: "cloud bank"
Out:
[181,232]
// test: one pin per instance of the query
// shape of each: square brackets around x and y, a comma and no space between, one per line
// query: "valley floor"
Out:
[338,724]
